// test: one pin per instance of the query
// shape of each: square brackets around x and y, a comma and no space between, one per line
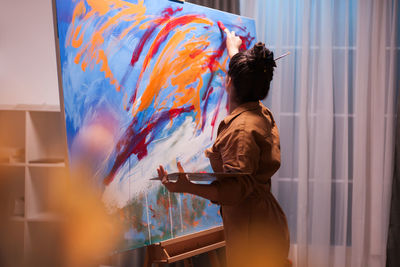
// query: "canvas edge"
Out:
[60,85]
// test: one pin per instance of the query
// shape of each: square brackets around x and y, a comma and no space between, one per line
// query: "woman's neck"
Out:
[232,104]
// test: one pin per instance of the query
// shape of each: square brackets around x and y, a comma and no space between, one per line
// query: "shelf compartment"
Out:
[27,107]
[40,200]
[12,164]
[12,136]
[13,178]
[41,238]
[45,143]
[61,165]
[12,243]
[17,218]
[46,217]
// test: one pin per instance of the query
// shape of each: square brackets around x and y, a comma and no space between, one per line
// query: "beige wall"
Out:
[28,69]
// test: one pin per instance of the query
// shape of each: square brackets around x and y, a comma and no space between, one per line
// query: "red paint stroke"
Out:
[243,45]
[136,141]
[169,11]
[166,14]
[214,119]
[222,29]
[205,99]
[212,66]
[146,36]
[246,41]
[221,25]
[160,39]
[138,51]
[152,211]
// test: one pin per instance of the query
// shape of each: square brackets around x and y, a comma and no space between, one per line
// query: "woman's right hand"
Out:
[233,42]
[182,185]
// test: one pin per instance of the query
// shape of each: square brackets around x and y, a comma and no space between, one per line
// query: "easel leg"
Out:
[147,258]
[188,262]
[213,257]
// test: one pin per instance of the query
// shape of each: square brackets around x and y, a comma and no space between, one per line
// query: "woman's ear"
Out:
[228,84]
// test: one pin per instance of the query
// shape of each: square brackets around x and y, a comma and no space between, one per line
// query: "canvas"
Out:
[143,85]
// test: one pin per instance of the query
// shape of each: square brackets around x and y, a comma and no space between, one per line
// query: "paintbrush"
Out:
[281,56]
[222,28]
[221,25]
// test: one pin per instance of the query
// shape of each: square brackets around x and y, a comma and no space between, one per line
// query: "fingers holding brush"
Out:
[233,42]
[163,175]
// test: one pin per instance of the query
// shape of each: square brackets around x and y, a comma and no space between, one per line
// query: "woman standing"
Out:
[255,226]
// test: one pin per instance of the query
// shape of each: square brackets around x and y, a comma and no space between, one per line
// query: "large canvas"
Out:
[143,85]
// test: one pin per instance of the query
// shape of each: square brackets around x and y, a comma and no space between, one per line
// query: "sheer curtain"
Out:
[333,98]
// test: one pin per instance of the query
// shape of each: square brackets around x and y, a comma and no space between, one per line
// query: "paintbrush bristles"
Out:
[281,56]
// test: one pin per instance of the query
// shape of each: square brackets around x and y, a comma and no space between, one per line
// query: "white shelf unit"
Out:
[35,135]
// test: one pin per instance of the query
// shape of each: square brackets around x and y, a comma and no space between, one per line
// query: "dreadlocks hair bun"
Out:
[251,72]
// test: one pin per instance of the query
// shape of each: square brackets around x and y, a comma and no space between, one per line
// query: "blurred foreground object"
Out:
[82,234]
[9,251]
[88,231]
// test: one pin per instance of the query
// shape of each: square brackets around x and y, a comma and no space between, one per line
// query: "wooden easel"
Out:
[185,247]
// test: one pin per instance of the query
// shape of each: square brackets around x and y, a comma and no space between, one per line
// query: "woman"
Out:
[255,226]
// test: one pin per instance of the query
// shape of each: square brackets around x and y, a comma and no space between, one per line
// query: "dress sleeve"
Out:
[240,154]
[215,159]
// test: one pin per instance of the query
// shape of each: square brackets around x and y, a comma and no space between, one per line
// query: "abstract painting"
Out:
[148,77]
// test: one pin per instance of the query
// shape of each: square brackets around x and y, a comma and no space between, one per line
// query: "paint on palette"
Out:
[149,76]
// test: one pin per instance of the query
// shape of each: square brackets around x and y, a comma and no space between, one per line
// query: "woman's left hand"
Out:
[180,186]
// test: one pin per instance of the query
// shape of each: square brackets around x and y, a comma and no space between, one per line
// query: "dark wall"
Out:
[231,6]
[393,246]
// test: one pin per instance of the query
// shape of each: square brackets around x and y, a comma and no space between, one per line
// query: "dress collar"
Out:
[240,109]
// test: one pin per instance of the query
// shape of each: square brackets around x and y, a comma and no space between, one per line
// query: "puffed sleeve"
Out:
[240,154]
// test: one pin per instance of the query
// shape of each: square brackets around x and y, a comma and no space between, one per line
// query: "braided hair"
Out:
[251,72]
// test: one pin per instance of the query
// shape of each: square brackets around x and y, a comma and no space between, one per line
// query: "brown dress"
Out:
[256,231]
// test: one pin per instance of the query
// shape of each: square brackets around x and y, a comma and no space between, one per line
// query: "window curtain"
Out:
[333,99]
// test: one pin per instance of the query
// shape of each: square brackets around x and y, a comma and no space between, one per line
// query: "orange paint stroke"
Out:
[78,11]
[155,45]
[179,70]
[187,67]
[181,63]
[161,72]
[91,51]
[77,42]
